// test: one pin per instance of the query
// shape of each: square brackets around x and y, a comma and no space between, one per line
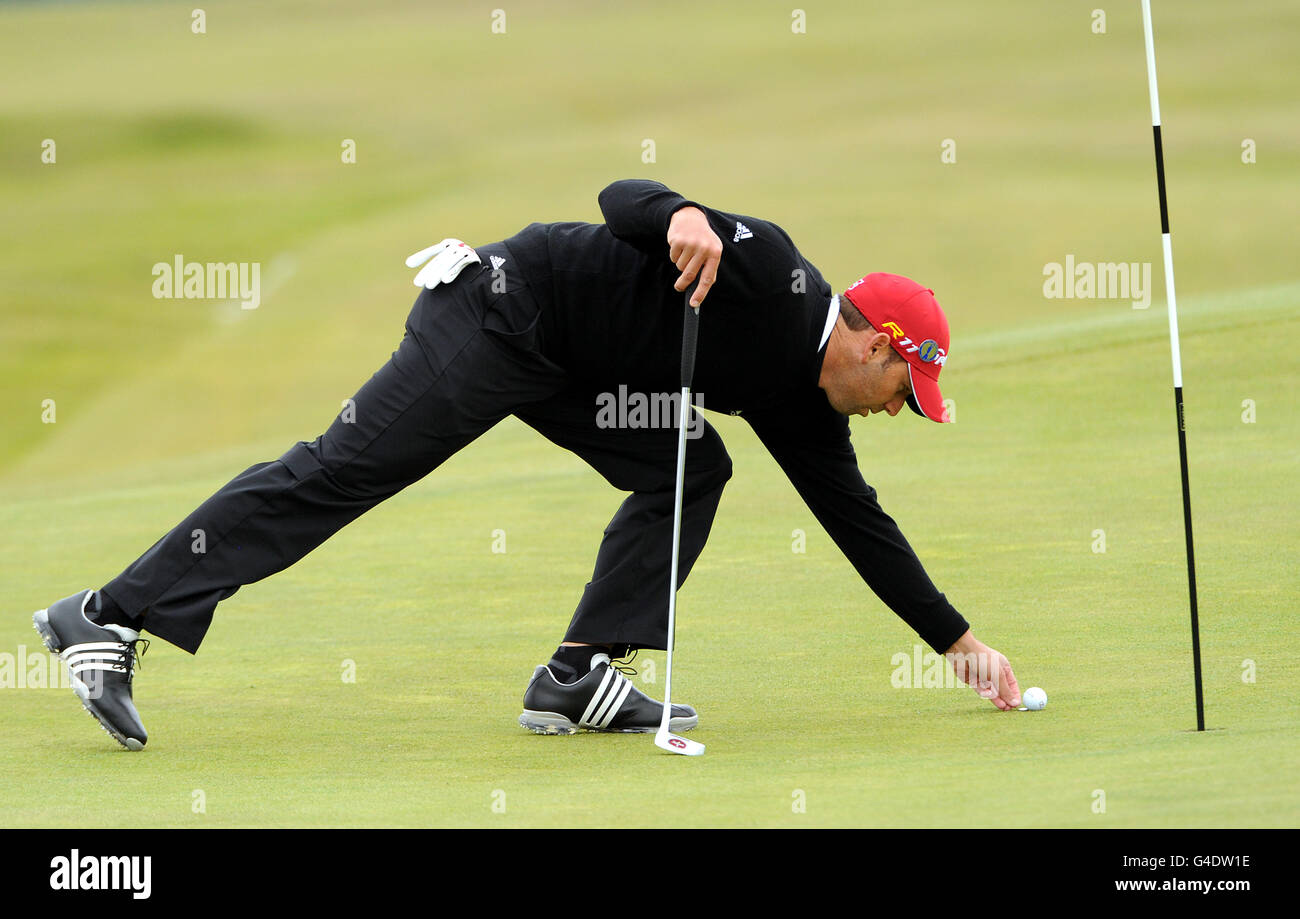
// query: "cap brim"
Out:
[926,400]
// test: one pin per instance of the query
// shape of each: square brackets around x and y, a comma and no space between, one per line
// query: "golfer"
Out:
[545,326]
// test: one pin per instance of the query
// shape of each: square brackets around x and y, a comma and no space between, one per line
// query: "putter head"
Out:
[672,743]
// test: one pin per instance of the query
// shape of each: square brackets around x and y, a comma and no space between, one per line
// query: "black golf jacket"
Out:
[612,318]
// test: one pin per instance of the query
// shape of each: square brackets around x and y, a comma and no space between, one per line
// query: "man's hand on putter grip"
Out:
[695,249]
[986,671]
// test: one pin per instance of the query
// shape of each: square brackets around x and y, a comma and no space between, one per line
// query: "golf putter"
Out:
[665,739]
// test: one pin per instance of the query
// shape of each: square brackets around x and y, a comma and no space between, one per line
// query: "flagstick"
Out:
[1177,359]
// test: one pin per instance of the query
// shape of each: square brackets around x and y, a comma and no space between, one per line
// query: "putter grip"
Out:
[690,335]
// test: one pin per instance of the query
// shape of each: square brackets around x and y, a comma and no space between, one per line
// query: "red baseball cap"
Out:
[917,329]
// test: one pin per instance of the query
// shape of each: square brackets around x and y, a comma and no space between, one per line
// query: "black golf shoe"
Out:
[603,700]
[101,663]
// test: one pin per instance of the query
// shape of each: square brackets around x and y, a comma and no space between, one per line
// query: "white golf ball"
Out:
[1034,699]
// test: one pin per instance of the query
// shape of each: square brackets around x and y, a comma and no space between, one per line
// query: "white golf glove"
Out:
[445,260]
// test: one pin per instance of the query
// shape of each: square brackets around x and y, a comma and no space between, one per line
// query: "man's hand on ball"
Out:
[985,670]
[696,251]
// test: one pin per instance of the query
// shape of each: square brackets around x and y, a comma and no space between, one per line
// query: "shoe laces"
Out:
[621,665]
[131,657]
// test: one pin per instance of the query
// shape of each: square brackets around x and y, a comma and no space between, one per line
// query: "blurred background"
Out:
[227,146]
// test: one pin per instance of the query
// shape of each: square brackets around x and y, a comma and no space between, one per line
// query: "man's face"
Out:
[867,386]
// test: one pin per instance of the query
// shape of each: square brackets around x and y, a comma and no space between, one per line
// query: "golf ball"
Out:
[1034,699]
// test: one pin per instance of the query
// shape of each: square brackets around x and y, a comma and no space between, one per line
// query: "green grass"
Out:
[226,147]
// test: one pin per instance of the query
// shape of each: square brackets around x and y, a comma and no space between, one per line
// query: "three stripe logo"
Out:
[96,655]
[606,700]
[742,232]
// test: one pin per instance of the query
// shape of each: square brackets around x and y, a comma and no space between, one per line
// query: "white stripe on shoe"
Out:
[598,719]
[585,720]
[96,646]
[618,703]
[95,655]
[607,700]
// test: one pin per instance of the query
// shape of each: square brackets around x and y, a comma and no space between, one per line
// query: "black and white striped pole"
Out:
[1177,359]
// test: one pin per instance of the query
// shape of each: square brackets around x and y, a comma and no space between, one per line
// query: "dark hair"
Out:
[856,322]
[852,317]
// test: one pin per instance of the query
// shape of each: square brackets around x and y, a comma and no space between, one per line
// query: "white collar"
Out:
[831,315]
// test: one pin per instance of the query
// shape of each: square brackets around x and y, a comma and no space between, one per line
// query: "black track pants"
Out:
[469,358]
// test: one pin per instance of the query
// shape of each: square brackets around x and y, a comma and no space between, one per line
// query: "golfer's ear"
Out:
[872,344]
